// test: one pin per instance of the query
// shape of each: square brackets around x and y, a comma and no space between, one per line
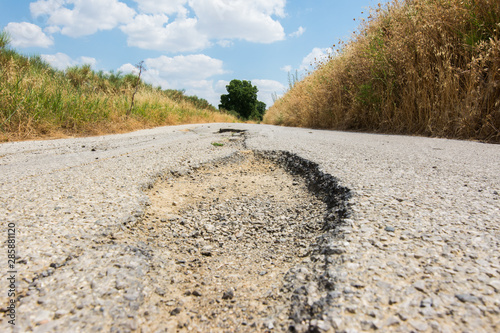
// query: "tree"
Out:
[242,99]
[258,113]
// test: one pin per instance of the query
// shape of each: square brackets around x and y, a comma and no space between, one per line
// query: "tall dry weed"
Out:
[425,67]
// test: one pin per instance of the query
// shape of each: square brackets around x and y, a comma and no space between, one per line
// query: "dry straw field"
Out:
[419,67]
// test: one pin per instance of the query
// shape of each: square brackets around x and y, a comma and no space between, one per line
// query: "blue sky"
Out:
[196,45]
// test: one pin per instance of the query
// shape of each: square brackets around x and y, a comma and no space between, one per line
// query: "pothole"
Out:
[238,239]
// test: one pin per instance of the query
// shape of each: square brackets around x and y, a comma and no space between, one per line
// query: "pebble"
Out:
[420,286]
[175,311]
[426,302]
[467,298]
[418,325]
[391,321]
[42,317]
[207,250]
[228,294]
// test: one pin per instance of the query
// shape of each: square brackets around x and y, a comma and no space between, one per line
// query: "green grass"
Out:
[217,144]
[38,101]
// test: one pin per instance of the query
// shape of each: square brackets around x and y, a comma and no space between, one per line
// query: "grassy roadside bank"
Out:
[418,67]
[38,101]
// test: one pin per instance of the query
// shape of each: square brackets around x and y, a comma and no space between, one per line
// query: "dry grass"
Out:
[38,102]
[424,67]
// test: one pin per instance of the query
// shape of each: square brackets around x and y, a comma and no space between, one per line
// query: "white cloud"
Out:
[317,56]
[298,33]
[87,61]
[212,21]
[25,34]
[310,62]
[204,89]
[191,72]
[168,25]
[52,29]
[220,87]
[240,19]
[85,17]
[267,88]
[196,66]
[225,43]
[161,6]
[128,68]
[62,61]
[45,7]
[152,32]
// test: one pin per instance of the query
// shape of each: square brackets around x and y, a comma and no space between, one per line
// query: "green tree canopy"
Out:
[242,99]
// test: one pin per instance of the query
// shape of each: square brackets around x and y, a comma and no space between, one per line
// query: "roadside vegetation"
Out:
[419,67]
[38,101]
[241,101]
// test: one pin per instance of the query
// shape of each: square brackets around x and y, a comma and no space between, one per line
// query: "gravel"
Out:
[246,229]
[405,234]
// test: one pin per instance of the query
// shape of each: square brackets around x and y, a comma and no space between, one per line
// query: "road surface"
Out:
[419,251]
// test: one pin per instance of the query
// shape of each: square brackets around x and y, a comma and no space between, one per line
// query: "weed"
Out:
[38,101]
[293,79]
[426,67]
[4,40]
[140,67]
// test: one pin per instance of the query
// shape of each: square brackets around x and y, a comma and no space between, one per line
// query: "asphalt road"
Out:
[420,251]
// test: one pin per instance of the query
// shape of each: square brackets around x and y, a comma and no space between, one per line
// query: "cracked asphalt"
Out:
[418,252]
